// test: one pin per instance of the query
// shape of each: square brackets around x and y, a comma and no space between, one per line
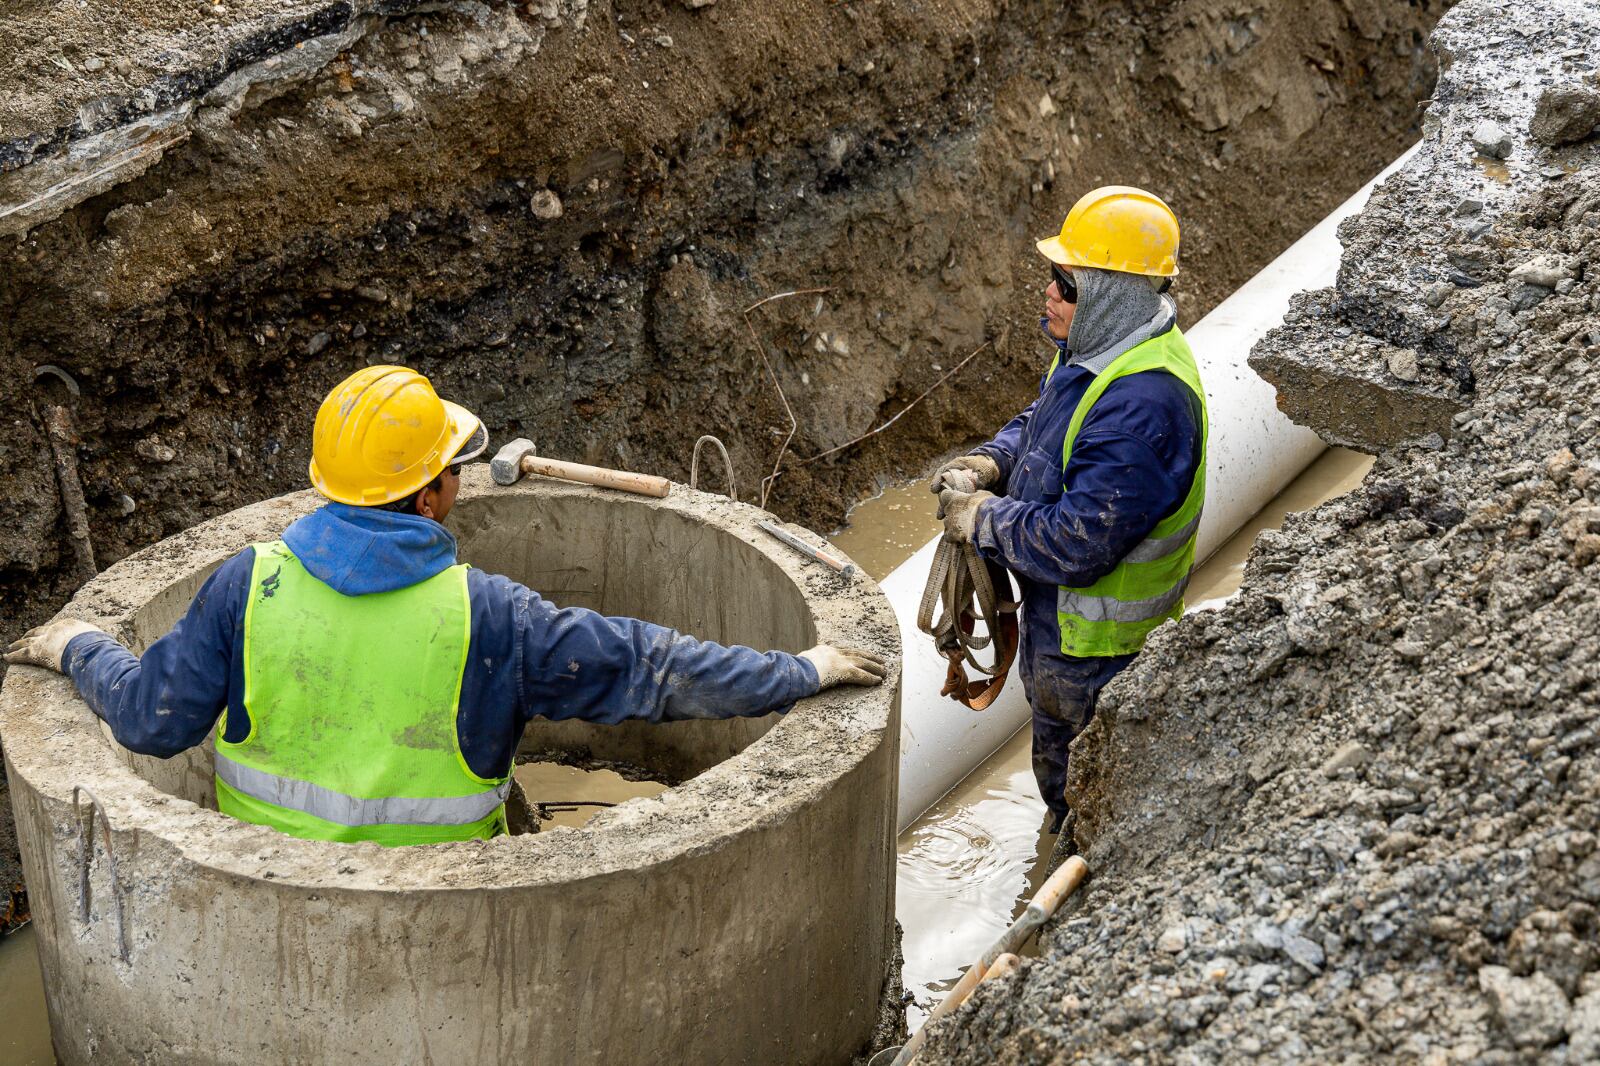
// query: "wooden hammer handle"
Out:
[639,484]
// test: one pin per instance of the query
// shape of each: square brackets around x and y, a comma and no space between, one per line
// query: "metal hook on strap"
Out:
[86,859]
[727,465]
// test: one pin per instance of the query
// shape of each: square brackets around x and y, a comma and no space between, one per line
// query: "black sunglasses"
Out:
[1068,287]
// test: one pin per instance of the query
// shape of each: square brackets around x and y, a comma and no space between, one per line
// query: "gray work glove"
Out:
[960,513]
[969,473]
[844,666]
[46,645]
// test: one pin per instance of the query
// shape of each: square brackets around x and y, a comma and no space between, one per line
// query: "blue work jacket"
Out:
[526,657]
[1132,464]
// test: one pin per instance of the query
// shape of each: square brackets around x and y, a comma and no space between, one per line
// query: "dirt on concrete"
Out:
[559,210]
[1353,816]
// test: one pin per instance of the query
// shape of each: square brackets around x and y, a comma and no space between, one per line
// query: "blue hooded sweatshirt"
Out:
[526,658]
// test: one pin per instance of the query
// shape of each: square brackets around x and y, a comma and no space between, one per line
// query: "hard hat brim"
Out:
[1052,249]
[470,440]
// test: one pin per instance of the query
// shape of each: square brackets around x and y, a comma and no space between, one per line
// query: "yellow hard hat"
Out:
[383,433]
[1121,228]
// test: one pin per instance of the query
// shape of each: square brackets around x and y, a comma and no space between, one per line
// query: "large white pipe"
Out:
[1255,451]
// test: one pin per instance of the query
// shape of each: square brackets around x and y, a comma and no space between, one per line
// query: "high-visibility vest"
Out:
[1115,614]
[352,705]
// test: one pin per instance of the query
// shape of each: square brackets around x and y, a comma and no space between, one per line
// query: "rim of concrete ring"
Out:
[53,742]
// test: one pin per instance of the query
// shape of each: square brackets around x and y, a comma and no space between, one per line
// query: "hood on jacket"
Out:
[358,550]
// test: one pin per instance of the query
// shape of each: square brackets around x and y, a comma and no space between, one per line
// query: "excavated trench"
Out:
[561,211]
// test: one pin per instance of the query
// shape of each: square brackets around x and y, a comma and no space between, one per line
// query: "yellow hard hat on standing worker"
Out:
[1119,228]
[383,433]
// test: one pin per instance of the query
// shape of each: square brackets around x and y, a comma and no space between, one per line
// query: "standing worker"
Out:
[1092,496]
[372,688]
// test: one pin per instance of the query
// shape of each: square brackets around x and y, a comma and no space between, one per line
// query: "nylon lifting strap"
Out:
[962,586]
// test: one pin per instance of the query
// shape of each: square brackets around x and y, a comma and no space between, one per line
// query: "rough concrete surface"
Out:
[746,914]
[558,210]
[1352,816]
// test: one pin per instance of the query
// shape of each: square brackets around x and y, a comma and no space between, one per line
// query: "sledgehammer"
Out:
[518,458]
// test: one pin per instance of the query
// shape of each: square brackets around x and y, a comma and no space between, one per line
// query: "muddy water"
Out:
[578,794]
[24,1028]
[968,866]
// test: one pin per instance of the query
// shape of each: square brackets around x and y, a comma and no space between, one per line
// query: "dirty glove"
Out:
[960,513]
[966,474]
[844,666]
[46,645]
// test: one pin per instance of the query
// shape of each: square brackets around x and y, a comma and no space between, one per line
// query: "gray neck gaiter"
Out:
[1111,305]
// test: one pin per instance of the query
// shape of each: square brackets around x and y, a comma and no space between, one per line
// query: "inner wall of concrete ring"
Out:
[1254,451]
[745,915]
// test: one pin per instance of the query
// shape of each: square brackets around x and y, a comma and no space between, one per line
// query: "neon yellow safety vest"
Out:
[352,704]
[1115,614]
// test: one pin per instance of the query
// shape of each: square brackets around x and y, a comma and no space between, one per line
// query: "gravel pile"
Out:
[1353,816]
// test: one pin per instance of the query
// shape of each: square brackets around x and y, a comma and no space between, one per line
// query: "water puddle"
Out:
[571,795]
[25,1034]
[968,866]
[885,531]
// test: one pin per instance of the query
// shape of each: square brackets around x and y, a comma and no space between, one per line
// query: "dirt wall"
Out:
[559,211]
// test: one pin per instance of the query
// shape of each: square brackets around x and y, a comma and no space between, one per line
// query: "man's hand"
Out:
[960,513]
[46,645]
[844,666]
[969,473]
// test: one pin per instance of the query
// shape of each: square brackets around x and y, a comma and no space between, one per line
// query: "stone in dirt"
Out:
[1491,139]
[1565,115]
[1533,1009]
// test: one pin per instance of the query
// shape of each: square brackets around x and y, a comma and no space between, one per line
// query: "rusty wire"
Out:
[761,349]
[874,432]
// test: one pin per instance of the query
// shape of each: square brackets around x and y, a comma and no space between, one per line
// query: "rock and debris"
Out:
[1386,846]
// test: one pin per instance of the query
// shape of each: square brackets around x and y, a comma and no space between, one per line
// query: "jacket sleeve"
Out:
[1131,466]
[576,663]
[1003,448]
[167,700]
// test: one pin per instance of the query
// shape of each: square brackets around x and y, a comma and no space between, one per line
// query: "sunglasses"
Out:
[1068,287]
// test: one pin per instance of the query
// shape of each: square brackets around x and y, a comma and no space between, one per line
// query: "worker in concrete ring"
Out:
[369,686]
[1092,496]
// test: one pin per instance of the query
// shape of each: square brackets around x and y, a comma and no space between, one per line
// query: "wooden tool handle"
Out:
[639,484]
[1062,884]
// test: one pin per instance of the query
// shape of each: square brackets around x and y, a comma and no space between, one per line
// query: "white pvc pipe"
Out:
[1255,451]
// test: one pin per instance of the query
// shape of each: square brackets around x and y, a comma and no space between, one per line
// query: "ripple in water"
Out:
[966,868]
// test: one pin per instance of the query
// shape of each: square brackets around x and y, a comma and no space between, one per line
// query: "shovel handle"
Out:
[626,481]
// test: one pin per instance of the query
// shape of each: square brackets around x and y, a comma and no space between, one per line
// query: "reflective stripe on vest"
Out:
[339,808]
[352,702]
[1115,614]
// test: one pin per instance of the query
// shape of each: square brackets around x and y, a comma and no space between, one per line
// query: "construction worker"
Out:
[372,688]
[1092,496]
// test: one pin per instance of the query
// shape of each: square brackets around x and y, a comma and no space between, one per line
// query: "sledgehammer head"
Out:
[506,466]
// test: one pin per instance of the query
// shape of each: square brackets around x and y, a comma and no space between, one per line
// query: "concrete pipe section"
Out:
[744,915]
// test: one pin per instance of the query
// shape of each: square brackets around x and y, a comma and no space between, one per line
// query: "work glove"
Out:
[844,666]
[46,645]
[969,473]
[960,513]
